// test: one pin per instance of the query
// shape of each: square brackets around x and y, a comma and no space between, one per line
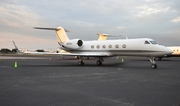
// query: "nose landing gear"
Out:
[152,60]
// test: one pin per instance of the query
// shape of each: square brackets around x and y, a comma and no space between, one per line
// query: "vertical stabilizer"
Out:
[60,33]
[17,50]
[102,36]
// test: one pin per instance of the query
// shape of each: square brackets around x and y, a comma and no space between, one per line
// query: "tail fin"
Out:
[17,50]
[102,36]
[60,33]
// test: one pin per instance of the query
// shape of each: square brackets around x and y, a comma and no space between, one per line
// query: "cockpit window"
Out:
[146,42]
[153,42]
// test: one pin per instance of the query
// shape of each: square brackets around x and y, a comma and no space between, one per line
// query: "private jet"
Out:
[175,53]
[100,49]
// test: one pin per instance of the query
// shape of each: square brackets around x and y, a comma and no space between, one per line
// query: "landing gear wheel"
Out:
[99,62]
[80,63]
[158,58]
[153,66]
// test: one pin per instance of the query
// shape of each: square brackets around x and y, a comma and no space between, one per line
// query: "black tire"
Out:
[153,66]
[158,58]
[99,62]
[80,63]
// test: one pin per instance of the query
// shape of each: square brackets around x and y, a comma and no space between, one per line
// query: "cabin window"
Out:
[92,46]
[104,46]
[117,46]
[124,45]
[153,42]
[146,42]
[98,46]
[110,46]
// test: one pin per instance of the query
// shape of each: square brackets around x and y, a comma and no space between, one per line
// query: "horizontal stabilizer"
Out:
[56,29]
[109,35]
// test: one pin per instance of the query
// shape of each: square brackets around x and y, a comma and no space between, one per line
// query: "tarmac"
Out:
[53,81]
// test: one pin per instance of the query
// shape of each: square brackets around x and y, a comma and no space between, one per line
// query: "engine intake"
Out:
[73,44]
[80,42]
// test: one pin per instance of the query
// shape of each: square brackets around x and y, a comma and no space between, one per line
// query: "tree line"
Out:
[8,51]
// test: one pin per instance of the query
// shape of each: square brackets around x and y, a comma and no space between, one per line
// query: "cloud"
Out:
[100,6]
[18,16]
[84,18]
[147,10]
[27,42]
[87,24]
[176,20]
[120,27]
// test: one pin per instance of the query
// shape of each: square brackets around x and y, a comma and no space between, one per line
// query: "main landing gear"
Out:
[152,60]
[98,62]
[80,63]
[158,58]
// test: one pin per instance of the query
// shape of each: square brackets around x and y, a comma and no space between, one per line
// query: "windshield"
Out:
[146,42]
[153,42]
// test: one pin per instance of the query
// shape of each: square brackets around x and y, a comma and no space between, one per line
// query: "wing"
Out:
[65,53]
[42,53]
[87,54]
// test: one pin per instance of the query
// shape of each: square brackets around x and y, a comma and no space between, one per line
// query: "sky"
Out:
[156,19]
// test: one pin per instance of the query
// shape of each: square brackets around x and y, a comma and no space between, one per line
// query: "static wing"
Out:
[87,54]
[65,53]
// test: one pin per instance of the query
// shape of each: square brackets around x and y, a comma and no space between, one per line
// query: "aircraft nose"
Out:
[168,51]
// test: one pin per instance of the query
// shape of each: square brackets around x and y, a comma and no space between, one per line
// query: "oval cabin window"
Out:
[98,46]
[104,46]
[124,45]
[117,46]
[110,46]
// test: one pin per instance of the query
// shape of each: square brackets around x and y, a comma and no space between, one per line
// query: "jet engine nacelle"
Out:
[73,44]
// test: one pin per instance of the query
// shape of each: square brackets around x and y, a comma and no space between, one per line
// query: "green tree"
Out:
[14,50]
[5,50]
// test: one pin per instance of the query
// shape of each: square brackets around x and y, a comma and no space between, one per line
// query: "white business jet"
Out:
[175,53]
[144,47]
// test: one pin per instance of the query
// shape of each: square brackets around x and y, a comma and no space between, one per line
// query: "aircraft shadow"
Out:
[72,65]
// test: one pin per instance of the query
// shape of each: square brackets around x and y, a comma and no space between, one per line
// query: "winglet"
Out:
[102,36]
